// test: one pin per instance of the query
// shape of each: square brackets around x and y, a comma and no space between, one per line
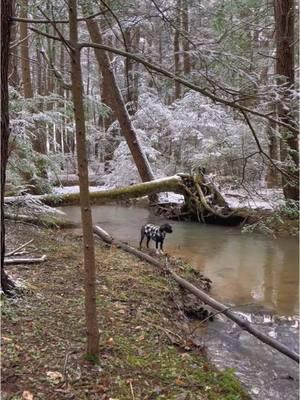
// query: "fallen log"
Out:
[172,184]
[48,221]
[15,261]
[35,220]
[202,199]
[201,295]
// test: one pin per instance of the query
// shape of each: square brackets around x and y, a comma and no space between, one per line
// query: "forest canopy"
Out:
[207,84]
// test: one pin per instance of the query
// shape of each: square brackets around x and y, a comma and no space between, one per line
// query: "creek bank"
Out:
[145,344]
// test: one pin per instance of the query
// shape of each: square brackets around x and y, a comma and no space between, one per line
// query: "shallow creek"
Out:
[257,275]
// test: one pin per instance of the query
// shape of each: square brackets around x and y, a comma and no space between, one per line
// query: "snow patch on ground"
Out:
[266,199]
[170,197]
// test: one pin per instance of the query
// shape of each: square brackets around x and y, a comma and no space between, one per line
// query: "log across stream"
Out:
[203,202]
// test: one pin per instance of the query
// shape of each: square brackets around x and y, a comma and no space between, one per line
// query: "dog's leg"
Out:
[161,247]
[156,245]
[142,238]
[148,240]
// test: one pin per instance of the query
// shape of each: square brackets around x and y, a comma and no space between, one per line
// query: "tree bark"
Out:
[284,11]
[177,64]
[272,178]
[86,214]
[25,62]
[130,71]
[185,42]
[6,13]
[14,79]
[106,237]
[118,106]
[171,184]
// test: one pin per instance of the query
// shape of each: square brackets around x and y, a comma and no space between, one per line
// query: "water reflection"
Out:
[244,268]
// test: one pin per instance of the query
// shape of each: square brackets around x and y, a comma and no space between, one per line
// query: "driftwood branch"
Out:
[201,295]
[15,261]
[18,248]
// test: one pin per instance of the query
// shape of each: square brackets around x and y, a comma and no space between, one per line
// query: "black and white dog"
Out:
[156,233]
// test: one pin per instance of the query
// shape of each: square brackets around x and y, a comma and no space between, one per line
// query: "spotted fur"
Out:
[156,233]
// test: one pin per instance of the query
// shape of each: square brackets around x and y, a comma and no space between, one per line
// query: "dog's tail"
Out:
[142,235]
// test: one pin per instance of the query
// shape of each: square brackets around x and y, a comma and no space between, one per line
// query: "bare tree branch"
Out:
[186,83]
[66,43]
[174,77]
[60,21]
[55,71]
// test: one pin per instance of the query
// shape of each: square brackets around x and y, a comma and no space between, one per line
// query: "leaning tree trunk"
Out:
[86,214]
[284,11]
[117,103]
[6,13]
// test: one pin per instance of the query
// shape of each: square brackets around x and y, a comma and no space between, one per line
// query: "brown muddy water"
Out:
[257,275]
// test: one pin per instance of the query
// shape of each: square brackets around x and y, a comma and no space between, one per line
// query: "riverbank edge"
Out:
[144,349]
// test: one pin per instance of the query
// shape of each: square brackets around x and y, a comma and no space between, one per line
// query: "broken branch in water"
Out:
[201,295]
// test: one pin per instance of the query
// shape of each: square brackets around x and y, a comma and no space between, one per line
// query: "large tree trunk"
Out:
[272,178]
[25,63]
[203,202]
[6,14]
[86,214]
[118,106]
[272,174]
[177,64]
[14,79]
[38,143]
[171,184]
[285,68]
[131,35]
[185,42]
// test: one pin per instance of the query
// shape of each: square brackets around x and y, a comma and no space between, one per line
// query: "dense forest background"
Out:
[240,123]
[110,93]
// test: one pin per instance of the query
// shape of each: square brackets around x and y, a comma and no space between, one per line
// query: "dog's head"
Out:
[166,228]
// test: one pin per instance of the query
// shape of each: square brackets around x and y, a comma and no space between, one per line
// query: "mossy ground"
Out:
[144,351]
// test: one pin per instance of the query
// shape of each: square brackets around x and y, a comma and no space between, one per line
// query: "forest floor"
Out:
[145,351]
